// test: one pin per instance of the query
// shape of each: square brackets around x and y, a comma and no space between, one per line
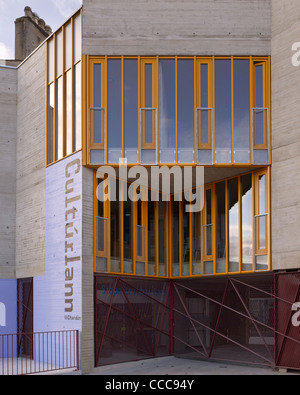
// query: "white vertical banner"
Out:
[58,294]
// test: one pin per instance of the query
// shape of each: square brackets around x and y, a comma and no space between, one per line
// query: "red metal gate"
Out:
[241,319]
[287,286]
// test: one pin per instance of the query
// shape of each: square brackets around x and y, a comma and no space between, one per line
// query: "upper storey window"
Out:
[178,110]
[64,117]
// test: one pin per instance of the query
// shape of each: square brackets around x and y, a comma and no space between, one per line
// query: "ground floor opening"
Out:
[250,319]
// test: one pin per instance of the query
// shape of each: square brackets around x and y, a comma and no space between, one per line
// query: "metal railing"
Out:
[39,352]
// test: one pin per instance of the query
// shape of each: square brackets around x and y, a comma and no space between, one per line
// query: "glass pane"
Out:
[59,119]
[114,134]
[204,117]
[196,242]
[50,122]
[259,92]
[167,104]
[175,238]
[162,237]
[223,110]
[241,111]
[77,38]
[151,237]
[148,120]
[102,229]
[204,85]
[261,229]
[233,219]
[59,53]
[128,233]
[131,103]
[221,227]
[262,194]
[97,85]
[68,46]
[68,118]
[208,228]
[78,106]
[115,233]
[185,73]
[148,86]
[260,124]
[185,234]
[247,246]
[51,60]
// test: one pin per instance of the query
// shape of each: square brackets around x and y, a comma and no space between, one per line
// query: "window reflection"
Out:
[233,225]
[223,111]
[185,72]
[241,111]
[167,129]
[114,112]
[247,227]
[221,227]
[131,109]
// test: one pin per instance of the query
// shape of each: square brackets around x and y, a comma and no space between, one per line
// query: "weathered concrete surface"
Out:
[176,27]
[8,132]
[30,171]
[285,136]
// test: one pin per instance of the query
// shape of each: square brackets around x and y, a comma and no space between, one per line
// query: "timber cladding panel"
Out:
[285,137]
[176,27]
[8,129]
[30,174]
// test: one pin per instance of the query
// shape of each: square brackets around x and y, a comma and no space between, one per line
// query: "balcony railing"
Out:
[40,352]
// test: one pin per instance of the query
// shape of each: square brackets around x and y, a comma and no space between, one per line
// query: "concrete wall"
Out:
[285,135]
[88,270]
[30,171]
[8,132]
[176,27]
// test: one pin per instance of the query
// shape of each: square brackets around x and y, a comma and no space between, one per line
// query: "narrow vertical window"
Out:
[185,110]
[114,106]
[233,224]
[223,111]
[128,233]
[208,264]
[77,38]
[68,116]
[185,241]
[115,256]
[78,106]
[175,207]
[204,111]
[241,111]
[152,235]
[59,119]
[148,114]
[131,110]
[51,60]
[167,122]
[221,227]
[162,231]
[59,53]
[68,46]
[247,214]
[51,123]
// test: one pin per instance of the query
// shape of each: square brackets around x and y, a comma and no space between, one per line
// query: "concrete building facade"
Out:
[170,83]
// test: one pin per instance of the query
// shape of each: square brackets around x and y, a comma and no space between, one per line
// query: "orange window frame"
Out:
[199,63]
[154,63]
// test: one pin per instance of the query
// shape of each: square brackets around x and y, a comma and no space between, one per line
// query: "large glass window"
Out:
[247,222]
[64,126]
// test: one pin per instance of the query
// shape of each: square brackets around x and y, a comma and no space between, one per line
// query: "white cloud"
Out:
[6,52]
[67,7]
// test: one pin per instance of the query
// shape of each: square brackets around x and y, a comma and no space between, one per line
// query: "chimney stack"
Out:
[30,32]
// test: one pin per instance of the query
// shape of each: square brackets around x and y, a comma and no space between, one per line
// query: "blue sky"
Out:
[54,13]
